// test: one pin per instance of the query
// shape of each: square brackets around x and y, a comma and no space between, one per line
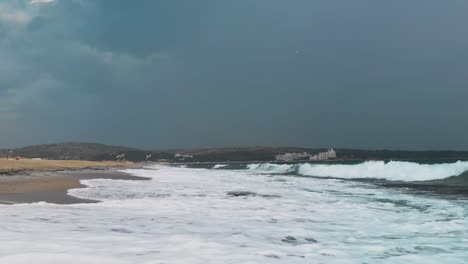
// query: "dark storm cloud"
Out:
[161,74]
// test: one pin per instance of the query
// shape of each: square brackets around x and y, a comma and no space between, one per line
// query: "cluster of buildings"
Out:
[120,157]
[10,156]
[327,155]
[13,158]
[330,154]
[292,156]
[181,157]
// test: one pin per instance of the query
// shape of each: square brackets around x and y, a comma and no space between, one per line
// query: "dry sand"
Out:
[15,166]
[26,181]
[36,184]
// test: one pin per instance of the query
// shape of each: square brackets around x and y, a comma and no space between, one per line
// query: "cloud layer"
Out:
[163,74]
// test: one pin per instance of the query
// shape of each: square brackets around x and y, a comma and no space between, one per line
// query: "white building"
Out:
[330,154]
[179,156]
[292,156]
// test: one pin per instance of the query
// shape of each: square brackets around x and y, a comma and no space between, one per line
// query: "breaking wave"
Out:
[272,168]
[391,171]
[219,166]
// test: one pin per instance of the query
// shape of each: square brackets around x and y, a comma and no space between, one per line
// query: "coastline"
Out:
[49,181]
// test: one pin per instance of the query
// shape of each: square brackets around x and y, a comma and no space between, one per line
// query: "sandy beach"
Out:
[11,167]
[27,181]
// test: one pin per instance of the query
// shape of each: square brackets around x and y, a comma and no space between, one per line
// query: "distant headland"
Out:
[101,152]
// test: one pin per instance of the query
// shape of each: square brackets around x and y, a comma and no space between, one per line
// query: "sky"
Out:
[160,74]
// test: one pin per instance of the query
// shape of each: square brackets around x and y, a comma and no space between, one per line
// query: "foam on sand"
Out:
[57,259]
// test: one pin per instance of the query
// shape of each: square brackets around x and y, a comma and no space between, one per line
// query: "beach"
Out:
[236,213]
[250,213]
[29,181]
[22,166]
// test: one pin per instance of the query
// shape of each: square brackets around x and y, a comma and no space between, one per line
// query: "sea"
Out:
[358,212]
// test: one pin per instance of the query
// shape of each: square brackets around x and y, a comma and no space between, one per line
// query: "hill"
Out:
[100,152]
[85,151]
[66,151]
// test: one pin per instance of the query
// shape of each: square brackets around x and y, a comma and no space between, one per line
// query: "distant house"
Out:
[120,157]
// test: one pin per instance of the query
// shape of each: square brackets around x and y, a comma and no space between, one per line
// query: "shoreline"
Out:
[27,166]
[330,161]
[51,185]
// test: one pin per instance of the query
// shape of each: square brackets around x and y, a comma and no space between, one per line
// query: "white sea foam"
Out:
[185,215]
[219,166]
[271,168]
[57,259]
[392,171]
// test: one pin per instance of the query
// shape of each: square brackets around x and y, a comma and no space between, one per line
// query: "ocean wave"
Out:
[272,168]
[176,211]
[219,166]
[392,171]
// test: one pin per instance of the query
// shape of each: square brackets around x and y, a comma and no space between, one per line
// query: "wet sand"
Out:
[52,186]
[56,197]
